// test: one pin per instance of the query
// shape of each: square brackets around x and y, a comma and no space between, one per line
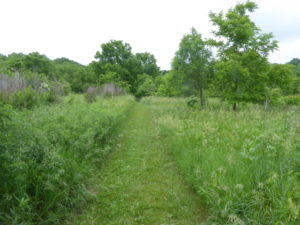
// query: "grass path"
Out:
[140,183]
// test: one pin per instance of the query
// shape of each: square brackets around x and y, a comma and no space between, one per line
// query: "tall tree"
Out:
[296,63]
[148,64]
[116,56]
[192,62]
[3,59]
[14,63]
[77,75]
[38,63]
[242,72]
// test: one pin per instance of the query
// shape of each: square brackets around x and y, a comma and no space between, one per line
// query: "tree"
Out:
[192,62]
[148,64]
[242,71]
[169,84]
[116,56]
[296,63]
[78,76]
[146,86]
[282,76]
[3,59]
[15,63]
[37,63]
[282,79]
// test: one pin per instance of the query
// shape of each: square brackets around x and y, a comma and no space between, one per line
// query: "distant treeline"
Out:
[239,72]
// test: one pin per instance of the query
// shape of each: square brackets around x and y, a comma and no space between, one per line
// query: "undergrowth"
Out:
[48,155]
[244,165]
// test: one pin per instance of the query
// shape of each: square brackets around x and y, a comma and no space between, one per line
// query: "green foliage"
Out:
[35,65]
[243,50]
[14,63]
[5,114]
[77,75]
[294,61]
[141,183]
[243,165]
[290,100]
[146,86]
[272,96]
[50,97]
[116,63]
[193,102]
[116,57]
[26,98]
[170,84]
[283,76]
[113,77]
[147,63]
[192,62]
[48,155]
[30,91]
[38,63]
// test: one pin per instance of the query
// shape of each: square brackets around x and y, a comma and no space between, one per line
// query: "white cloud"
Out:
[76,28]
[287,51]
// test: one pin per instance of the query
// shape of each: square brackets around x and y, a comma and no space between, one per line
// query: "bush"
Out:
[5,113]
[48,155]
[26,98]
[193,102]
[290,100]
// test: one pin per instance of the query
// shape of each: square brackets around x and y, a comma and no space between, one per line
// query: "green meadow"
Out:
[156,161]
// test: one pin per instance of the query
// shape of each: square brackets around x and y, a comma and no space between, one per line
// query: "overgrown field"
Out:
[49,154]
[244,165]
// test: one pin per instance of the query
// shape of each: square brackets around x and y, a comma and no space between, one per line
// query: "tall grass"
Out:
[48,155]
[244,165]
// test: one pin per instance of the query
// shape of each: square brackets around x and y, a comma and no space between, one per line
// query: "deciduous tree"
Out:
[242,71]
[192,62]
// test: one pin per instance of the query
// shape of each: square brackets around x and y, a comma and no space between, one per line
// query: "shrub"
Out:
[48,155]
[26,98]
[5,112]
[290,100]
[193,102]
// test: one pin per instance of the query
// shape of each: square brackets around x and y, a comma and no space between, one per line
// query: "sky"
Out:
[76,28]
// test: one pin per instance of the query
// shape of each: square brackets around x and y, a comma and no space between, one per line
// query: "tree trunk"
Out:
[234,106]
[202,102]
[266,105]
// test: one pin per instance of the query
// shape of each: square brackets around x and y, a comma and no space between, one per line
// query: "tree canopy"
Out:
[242,71]
[192,62]
[239,71]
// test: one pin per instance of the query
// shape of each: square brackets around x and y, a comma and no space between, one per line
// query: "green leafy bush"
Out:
[290,100]
[48,154]
[26,98]
[193,102]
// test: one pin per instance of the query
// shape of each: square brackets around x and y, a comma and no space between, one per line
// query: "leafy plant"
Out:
[24,99]
[48,154]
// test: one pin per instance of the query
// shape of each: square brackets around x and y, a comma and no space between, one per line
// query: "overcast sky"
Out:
[76,28]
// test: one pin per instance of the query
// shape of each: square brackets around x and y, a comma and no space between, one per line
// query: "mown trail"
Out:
[140,183]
